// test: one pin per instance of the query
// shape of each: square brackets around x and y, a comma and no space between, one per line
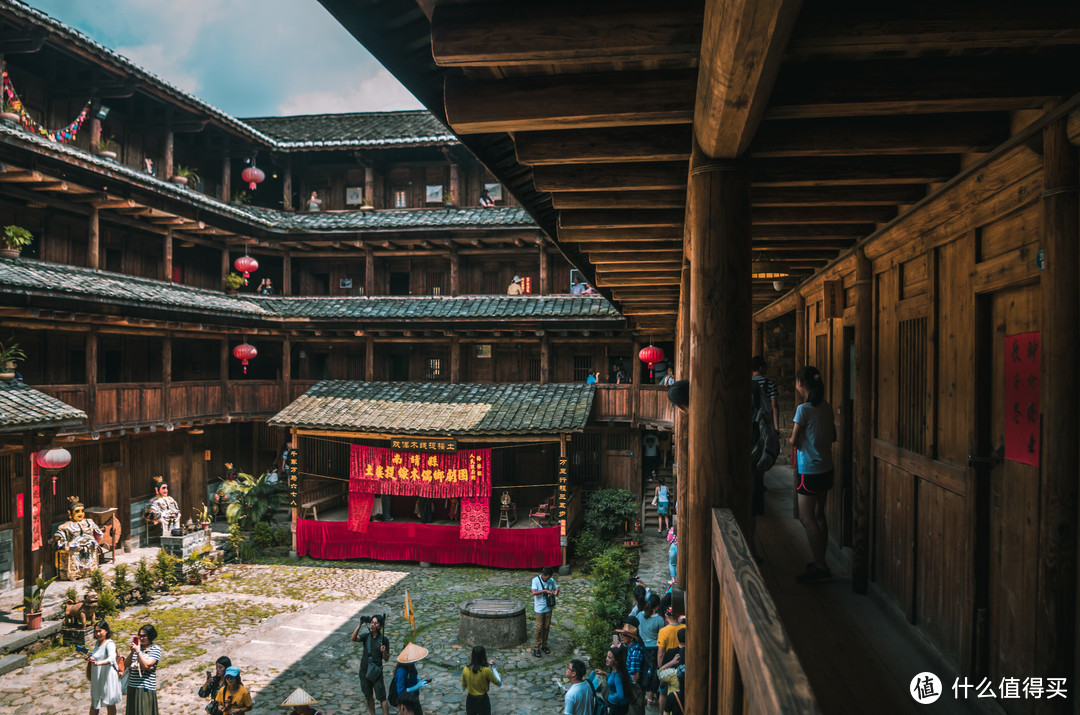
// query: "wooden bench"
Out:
[311,499]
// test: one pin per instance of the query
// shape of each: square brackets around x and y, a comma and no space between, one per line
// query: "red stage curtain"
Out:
[360,511]
[394,541]
[475,517]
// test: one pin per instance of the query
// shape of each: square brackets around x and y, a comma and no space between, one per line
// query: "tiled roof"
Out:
[440,408]
[389,219]
[358,129]
[38,277]
[23,408]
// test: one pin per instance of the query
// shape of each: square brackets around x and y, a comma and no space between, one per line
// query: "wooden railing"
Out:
[616,402]
[129,403]
[253,397]
[192,400]
[299,387]
[760,672]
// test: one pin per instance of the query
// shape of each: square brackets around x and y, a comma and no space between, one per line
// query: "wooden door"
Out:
[110,492]
[176,481]
[1010,507]
[620,471]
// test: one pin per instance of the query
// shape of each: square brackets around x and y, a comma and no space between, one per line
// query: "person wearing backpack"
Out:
[544,591]
[376,651]
[765,441]
[579,698]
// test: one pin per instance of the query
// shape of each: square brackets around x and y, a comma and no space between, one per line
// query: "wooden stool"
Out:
[504,516]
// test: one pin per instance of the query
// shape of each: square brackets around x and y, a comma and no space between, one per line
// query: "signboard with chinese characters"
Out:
[564,465]
[376,470]
[1022,405]
[423,444]
[833,299]
[292,463]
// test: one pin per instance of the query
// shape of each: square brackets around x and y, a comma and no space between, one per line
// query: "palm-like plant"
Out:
[251,499]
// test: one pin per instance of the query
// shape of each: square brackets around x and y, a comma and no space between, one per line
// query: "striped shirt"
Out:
[767,386]
[142,678]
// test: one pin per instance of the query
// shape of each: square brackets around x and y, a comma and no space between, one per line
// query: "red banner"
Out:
[465,473]
[1022,403]
[35,486]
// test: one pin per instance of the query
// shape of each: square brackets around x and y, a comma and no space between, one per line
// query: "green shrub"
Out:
[262,535]
[165,567]
[108,603]
[611,592]
[608,510]
[71,596]
[247,552]
[120,583]
[586,547]
[96,580]
[283,536]
[145,578]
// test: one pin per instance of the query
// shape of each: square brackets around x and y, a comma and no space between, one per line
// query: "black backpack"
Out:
[765,440]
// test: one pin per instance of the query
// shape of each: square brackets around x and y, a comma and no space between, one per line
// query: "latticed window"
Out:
[582,366]
[433,369]
[534,369]
[618,441]
[435,283]
[489,283]
[401,199]
[911,432]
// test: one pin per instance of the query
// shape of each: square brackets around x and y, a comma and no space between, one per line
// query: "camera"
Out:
[82,650]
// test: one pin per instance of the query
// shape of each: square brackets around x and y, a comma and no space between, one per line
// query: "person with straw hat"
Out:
[301,703]
[406,678]
[635,665]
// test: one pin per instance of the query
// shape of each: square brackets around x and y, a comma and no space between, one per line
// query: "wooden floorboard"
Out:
[858,658]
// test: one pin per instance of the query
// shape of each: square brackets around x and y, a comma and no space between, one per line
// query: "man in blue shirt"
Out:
[543,586]
[579,699]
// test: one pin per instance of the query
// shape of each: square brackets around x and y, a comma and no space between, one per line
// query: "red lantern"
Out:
[54,459]
[253,176]
[651,355]
[246,265]
[245,352]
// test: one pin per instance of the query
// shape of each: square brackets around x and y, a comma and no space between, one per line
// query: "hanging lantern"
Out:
[244,352]
[253,175]
[651,355]
[54,459]
[246,265]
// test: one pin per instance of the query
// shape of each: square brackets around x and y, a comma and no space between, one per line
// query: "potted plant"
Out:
[9,356]
[13,240]
[233,281]
[203,516]
[184,175]
[449,200]
[32,603]
[242,198]
[7,111]
[366,204]
[108,147]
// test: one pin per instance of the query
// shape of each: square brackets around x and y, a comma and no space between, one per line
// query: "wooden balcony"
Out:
[193,400]
[257,397]
[622,403]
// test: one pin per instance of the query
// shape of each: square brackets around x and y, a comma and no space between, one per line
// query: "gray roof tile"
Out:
[23,408]
[358,129]
[391,219]
[440,408]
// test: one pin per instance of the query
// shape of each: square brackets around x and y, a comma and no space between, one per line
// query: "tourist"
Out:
[148,166]
[812,436]
[641,598]
[476,678]
[515,286]
[576,285]
[301,703]
[618,681]
[266,287]
[679,395]
[592,377]
[758,368]
[673,551]
[635,666]
[215,680]
[649,624]
[675,699]
[409,704]
[101,671]
[406,677]
[142,679]
[670,653]
[650,449]
[485,200]
[579,698]
[314,203]
[376,648]
[621,377]
[660,499]
[544,591]
[233,697]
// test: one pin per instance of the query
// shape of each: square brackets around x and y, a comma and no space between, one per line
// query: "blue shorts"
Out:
[661,507]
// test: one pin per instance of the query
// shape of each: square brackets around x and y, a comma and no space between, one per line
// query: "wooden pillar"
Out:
[93,236]
[286,185]
[226,384]
[719,469]
[455,359]
[544,288]
[1056,615]
[369,359]
[226,178]
[634,371]
[757,346]
[166,375]
[455,271]
[95,128]
[295,444]
[168,256]
[336,199]
[91,378]
[545,359]
[455,186]
[864,416]
[167,158]
[682,417]
[226,264]
[286,367]
[369,187]
[286,274]
[369,270]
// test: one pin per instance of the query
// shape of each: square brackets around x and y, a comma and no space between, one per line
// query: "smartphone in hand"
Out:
[82,650]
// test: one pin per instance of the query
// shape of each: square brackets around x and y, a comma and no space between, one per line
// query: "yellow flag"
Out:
[410,614]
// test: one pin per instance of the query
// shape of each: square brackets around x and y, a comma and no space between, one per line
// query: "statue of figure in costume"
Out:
[163,509]
[76,542]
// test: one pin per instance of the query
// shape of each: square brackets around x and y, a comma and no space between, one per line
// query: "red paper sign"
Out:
[1022,406]
[35,482]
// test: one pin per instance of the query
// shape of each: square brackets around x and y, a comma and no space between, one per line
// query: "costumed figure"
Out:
[76,542]
[163,509]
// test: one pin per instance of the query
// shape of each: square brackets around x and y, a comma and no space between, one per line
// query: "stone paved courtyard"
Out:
[287,624]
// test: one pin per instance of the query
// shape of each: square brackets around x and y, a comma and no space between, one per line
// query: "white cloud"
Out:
[377,93]
[155,58]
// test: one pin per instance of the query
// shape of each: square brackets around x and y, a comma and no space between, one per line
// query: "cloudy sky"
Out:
[249,58]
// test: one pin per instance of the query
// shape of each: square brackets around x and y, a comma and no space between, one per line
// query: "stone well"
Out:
[492,623]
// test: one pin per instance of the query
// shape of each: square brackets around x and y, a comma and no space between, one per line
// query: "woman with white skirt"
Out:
[101,666]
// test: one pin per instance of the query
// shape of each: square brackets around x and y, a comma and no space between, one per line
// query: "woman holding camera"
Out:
[101,671]
[376,652]
[142,680]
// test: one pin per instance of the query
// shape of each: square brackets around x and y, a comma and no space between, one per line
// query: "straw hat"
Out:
[411,654]
[299,697]
[628,630]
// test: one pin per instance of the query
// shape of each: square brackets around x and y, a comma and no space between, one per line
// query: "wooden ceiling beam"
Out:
[622,235]
[860,136]
[821,214]
[569,101]
[22,177]
[836,195]
[616,145]
[844,171]
[630,247]
[114,204]
[611,177]
[797,245]
[636,266]
[51,186]
[798,230]
[497,33]
[598,218]
[612,257]
[742,47]
[662,199]
[635,279]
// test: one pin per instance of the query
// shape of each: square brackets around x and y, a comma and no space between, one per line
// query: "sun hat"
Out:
[232,672]
[517,279]
[628,630]
[299,697]
[412,653]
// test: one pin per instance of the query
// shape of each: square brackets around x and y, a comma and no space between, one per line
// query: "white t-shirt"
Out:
[651,442]
[579,700]
[540,602]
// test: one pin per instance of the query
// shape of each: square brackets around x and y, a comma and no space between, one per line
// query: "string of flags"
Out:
[65,135]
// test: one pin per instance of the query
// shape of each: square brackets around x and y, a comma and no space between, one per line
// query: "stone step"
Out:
[13,662]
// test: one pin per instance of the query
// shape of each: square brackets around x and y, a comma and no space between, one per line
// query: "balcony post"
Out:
[168,256]
[864,415]
[226,392]
[369,358]
[93,238]
[91,380]
[682,419]
[166,376]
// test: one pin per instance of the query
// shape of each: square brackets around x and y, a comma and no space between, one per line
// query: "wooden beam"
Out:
[637,266]
[494,33]
[860,136]
[662,199]
[631,280]
[633,247]
[836,231]
[742,46]
[843,171]
[616,145]
[114,204]
[656,176]
[621,219]
[837,195]
[611,257]
[598,235]
[569,101]
[803,245]
[822,214]
[21,177]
